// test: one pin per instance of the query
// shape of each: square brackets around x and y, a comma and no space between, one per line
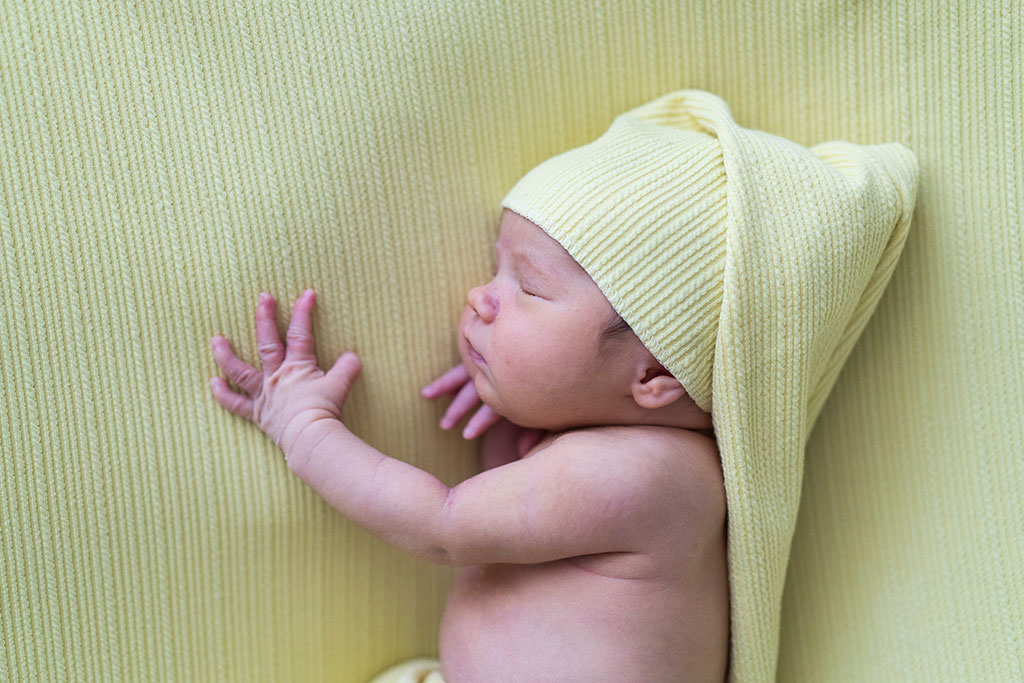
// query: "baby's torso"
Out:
[658,615]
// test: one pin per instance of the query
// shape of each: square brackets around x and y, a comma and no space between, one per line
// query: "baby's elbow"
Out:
[454,543]
[437,554]
[465,556]
[439,549]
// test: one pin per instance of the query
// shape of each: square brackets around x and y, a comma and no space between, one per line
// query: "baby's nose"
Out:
[481,301]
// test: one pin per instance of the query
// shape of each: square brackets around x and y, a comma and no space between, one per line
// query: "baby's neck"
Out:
[700,425]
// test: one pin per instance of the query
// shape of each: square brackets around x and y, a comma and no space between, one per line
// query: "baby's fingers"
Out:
[239,372]
[268,339]
[299,339]
[236,403]
[464,402]
[448,382]
[480,422]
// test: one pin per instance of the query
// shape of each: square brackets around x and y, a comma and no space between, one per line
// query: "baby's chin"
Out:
[515,409]
[486,393]
[523,418]
[490,399]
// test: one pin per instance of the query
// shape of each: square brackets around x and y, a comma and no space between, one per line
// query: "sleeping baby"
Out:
[592,546]
[599,552]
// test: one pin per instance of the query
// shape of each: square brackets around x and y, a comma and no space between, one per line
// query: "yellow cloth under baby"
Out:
[412,671]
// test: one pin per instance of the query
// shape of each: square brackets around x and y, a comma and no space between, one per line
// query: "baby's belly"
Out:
[562,622]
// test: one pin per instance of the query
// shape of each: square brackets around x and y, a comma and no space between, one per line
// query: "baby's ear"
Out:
[655,387]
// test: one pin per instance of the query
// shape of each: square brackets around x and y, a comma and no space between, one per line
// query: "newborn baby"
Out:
[676,268]
[594,554]
[599,554]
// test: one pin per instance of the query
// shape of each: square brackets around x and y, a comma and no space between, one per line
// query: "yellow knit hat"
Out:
[748,265]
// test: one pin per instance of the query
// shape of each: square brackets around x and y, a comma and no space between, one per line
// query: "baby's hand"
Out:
[457,380]
[290,392]
[507,435]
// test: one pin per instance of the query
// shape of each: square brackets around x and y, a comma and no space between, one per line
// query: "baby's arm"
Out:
[299,407]
[575,497]
[578,496]
[581,495]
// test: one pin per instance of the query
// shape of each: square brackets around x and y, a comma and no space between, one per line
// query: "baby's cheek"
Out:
[521,373]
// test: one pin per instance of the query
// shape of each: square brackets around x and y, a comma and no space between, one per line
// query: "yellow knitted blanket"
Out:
[162,162]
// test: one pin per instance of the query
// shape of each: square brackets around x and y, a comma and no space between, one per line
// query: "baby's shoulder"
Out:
[689,459]
[677,444]
[675,474]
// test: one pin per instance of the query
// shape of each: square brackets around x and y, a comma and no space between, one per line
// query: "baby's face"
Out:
[530,337]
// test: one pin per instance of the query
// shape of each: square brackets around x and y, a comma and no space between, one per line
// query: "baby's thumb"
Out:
[345,370]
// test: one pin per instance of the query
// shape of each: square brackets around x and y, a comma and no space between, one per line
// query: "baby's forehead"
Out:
[532,243]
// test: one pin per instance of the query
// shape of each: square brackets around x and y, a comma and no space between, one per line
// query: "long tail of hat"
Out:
[901,165]
[813,238]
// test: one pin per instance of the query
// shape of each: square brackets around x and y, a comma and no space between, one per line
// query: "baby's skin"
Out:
[591,546]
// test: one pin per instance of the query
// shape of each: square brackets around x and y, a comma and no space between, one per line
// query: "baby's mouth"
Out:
[477,358]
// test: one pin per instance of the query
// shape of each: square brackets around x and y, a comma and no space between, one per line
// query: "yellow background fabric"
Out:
[163,162]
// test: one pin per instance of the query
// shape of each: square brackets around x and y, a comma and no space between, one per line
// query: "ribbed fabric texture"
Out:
[162,162]
[808,239]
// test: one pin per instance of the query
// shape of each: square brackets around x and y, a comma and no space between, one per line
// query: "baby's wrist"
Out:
[307,437]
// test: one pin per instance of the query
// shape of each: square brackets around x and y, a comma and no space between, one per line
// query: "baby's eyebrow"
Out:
[523,257]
